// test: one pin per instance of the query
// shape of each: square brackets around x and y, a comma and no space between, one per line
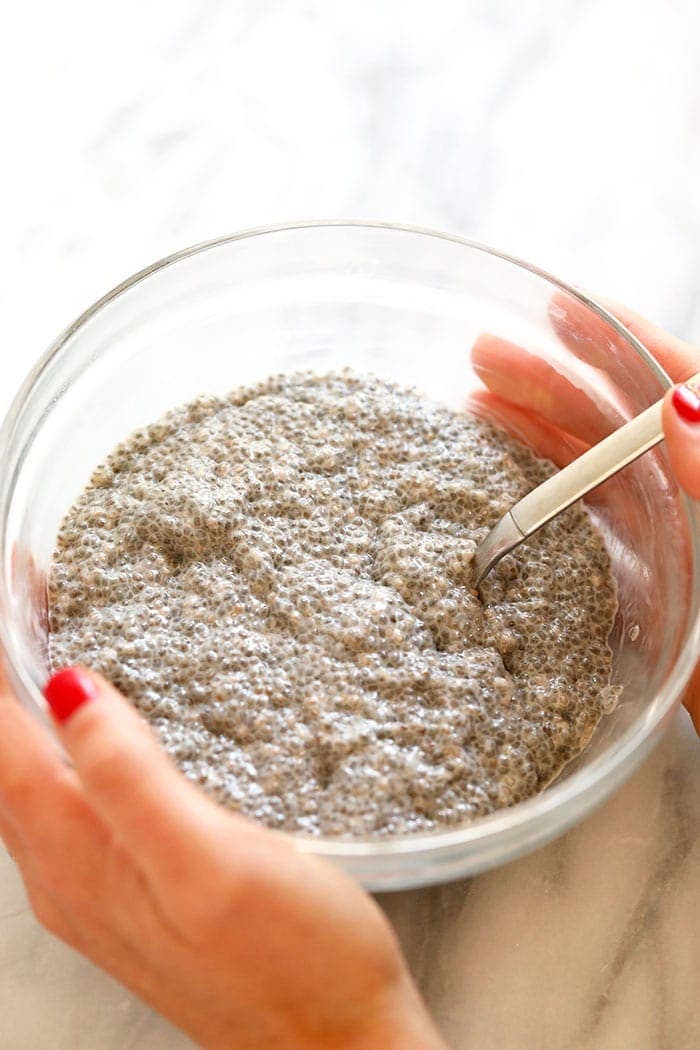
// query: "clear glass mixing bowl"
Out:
[406,304]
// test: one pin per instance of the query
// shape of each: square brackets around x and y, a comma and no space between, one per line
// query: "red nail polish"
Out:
[68,690]
[686,403]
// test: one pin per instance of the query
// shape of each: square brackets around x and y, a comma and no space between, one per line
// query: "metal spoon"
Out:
[557,493]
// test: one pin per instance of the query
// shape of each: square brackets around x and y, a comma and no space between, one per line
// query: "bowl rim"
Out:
[590,785]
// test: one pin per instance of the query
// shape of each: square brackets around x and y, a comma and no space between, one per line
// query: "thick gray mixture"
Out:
[281,581]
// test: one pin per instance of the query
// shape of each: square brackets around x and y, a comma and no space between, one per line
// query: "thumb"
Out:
[163,820]
[681,419]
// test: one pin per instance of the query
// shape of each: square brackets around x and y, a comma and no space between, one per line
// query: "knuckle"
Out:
[22,791]
[107,772]
[55,881]
[45,912]
[16,790]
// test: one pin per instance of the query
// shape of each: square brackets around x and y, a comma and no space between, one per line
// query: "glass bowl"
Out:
[406,304]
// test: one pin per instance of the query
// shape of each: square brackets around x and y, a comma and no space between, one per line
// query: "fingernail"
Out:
[68,690]
[686,403]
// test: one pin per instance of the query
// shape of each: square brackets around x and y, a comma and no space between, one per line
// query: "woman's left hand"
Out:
[542,408]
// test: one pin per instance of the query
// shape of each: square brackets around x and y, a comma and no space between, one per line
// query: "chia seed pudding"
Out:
[281,580]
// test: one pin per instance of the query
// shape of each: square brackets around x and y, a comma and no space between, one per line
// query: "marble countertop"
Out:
[565,131]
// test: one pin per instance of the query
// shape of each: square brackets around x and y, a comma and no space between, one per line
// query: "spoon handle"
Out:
[557,493]
[590,469]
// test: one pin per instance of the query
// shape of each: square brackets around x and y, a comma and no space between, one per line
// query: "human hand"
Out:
[220,925]
[532,400]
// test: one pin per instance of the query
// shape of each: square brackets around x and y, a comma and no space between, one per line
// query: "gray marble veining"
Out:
[590,942]
[566,131]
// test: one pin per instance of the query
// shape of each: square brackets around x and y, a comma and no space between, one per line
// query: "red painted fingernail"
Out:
[68,690]
[686,403]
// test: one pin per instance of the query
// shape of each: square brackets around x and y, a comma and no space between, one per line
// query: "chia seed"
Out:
[281,580]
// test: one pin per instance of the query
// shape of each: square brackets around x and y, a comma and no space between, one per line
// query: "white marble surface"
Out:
[566,131]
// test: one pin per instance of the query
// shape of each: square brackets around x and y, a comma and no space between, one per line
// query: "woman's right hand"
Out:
[538,405]
[226,929]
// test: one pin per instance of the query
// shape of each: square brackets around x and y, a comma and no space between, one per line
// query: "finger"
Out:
[534,384]
[40,811]
[168,826]
[66,854]
[30,582]
[587,335]
[692,698]
[8,833]
[44,816]
[591,338]
[32,770]
[681,419]
[675,356]
[542,437]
